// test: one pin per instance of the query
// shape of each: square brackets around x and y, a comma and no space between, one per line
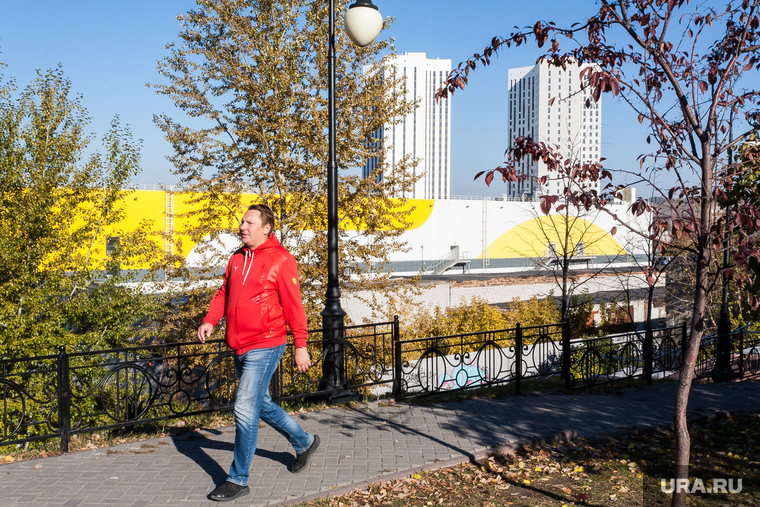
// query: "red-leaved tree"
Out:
[689,72]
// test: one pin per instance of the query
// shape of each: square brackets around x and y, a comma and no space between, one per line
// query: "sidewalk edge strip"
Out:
[562,436]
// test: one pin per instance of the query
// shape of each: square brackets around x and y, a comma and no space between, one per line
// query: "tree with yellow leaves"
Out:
[251,77]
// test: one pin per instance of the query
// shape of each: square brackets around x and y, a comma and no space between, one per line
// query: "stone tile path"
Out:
[369,444]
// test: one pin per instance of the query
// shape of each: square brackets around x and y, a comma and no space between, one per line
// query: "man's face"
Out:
[252,233]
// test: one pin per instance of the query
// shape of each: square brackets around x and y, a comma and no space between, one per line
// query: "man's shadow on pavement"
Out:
[193,444]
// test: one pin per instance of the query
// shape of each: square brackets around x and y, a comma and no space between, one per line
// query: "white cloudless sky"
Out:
[109,51]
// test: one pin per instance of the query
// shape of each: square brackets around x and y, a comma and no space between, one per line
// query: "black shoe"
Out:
[302,460]
[228,492]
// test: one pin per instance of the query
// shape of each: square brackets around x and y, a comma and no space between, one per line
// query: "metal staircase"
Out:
[449,261]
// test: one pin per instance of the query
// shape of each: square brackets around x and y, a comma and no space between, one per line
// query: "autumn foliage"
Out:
[689,73]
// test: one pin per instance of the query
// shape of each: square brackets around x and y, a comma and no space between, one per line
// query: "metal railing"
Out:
[62,395]
[452,258]
[449,363]
[627,355]
[749,358]
[69,393]
[367,352]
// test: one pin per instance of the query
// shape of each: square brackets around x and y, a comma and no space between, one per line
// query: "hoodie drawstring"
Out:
[248,253]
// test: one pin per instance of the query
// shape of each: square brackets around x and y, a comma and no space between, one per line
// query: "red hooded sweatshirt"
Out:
[259,295]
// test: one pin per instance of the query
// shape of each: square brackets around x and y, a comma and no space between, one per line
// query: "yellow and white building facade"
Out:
[485,234]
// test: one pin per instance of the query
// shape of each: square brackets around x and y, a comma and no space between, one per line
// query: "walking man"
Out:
[260,294]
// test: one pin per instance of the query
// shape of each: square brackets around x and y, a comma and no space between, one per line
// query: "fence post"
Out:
[64,399]
[741,352]
[683,343]
[396,360]
[518,357]
[566,366]
[274,386]
[648,354]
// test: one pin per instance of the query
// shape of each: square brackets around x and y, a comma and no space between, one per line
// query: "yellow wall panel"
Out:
[531,238]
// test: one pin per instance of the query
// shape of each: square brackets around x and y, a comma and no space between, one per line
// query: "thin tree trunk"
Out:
[683,441]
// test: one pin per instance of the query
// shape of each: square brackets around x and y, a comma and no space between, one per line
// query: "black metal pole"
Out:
[397,385]
[333,315]
[567,371]
[648,353]
[723,371]
[518,357]
[64,399]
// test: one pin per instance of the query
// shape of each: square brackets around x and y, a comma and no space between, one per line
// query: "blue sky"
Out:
[109,51]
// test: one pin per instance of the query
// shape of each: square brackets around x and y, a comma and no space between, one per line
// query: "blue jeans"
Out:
[255,369]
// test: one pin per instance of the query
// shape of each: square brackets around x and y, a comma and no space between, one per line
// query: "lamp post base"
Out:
[723,372]
[343,397]
[333,385]
[724,375]
[340,397]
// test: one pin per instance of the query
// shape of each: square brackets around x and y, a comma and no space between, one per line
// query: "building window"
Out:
[112,244]
[113,265]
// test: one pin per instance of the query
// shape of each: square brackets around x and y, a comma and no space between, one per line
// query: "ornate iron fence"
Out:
[431,365]
[733,350]
[446,363]
[70,393]
[57,396]
[665,349]
[367,353]
[626,355]
[457,362]
[61,395]
[749,357]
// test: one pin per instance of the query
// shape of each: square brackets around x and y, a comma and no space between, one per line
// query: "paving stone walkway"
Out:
[368,444]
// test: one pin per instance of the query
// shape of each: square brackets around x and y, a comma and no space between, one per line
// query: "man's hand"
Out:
[204,332]
[303,361]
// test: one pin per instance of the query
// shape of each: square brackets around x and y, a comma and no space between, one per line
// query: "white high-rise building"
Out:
[565,122]
[425,133]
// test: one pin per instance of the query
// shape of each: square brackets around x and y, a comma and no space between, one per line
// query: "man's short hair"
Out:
[267,215]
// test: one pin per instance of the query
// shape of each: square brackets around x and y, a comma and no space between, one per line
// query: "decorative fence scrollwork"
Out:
[749,353]
[447,363]
[70,393]
[61,395]
[367,353]
[465,361]
[630,360]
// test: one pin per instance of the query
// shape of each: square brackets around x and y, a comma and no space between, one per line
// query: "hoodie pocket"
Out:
[249,318]
[275,318]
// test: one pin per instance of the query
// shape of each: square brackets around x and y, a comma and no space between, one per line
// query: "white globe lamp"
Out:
[363,22]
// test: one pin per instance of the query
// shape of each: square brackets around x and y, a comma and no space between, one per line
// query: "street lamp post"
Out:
[363,23]
[723,371]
